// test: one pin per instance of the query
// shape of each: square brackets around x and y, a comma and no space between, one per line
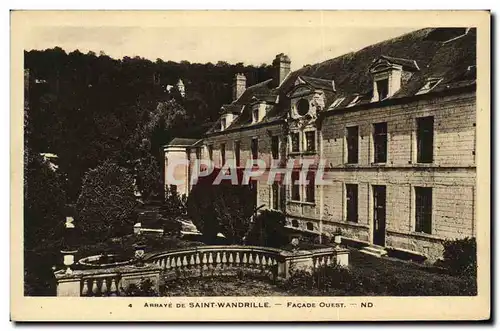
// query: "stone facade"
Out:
[420,173]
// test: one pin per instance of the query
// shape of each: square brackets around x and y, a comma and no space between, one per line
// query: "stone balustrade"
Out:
[113,281]
[199,261]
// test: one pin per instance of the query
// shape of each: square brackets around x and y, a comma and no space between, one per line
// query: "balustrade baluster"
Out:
[168,263]
[231,261]
[178,262]
[104,287]
[85,288]
[94,287]
[257,259]
[191,261]
[204,260]
[112,288]
[198,259]
[224,259]
[217,260]
[184,261]
[250,259]
[244,260]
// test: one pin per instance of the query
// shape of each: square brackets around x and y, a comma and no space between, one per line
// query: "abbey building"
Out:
[395,124]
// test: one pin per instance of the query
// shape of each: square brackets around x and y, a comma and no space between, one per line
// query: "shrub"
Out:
[145,288]
[268,230]
[224,208]
[460,256]
[106,204]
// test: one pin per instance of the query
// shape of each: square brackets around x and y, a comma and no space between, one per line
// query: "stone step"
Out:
[374,250]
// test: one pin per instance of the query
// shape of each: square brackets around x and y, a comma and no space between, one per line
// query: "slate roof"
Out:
[182,142]
[448,54]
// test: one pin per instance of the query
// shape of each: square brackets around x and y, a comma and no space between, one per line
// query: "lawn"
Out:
[367,276]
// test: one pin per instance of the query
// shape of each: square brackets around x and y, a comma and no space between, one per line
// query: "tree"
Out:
[44,207]
[224,208]
[44,203]
[106,203]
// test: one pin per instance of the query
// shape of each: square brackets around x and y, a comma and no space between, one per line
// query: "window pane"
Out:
[223,153]
[352,202]
[275,147]
[425,139]
[295,142]
[295,186]
[352,144]
[275,201]
[310,141]
[423,209]
[237,153]
[255,148]
[383,88]
[310,188]
[380,142]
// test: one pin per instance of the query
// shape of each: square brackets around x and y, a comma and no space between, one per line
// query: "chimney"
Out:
[239,86]
[281,65]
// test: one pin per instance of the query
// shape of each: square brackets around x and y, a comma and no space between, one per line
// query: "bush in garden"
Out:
[268,230]
[460,256]
[223,208]
[106,203]
[145,288]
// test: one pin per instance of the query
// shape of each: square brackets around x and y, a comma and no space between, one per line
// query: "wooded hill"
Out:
[87,108]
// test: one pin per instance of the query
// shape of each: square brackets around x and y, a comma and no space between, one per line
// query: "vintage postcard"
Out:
[250,165]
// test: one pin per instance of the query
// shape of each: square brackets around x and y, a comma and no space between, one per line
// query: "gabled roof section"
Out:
[406,64]
[319,83]
[181,142]
[231,108]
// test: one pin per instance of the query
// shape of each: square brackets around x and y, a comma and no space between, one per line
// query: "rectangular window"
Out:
[276,196]
[351,196]
[210,152]
[352,144]
[223,124]
[382,88]
[237,148]
[310,187]
[295,186]
[425,139]
[310,141]
[275,144]
[295,142]
[423,209]
[223,154]
[255,115]
[380,142]
[255,148]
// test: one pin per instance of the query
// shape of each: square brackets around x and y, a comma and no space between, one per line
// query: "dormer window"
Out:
[382,88]
[389,74]
[258,112]
[429,85]
[336,103]
[223,123]
[255,115]
[353,102]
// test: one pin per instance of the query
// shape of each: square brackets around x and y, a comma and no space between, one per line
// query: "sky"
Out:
[251,37]
[250,45]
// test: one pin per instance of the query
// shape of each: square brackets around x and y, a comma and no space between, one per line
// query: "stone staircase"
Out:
[374,250]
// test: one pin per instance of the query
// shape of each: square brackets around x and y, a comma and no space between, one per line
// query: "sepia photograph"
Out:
[226,163]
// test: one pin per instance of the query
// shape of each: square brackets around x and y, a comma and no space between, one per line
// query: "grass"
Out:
[367,276]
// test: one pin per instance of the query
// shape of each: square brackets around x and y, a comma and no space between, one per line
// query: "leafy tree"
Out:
[224,208]
[44,207]
[44,203]
[268,230]
[106,204]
